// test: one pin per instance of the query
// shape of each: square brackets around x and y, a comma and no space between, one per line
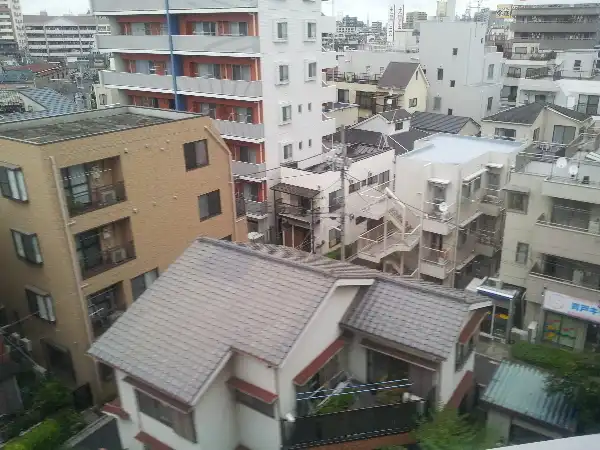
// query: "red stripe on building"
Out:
[154,443]
[115,408]
[252,390]
[472,326]
[309,371]
[466,384]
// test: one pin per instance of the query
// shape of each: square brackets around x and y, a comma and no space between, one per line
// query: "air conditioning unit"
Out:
[27,344]
[108,197]
[517,335]
[118,255]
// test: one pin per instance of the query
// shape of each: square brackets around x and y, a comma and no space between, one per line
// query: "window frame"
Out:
[288,149]
[285,117]
[455,51]
[36,298]
[190,149]
[283,69]
[210,213]
[437,103]
[267,409]
[521,253]
[8,186]
[452,83]
[142,277]
[511,204]
[309,65]
[32,247]
[490,72]
[310,24]
[440,74]
[412,103]
[284,36]
[490,103]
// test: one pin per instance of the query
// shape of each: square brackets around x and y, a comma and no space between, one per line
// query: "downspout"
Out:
[457,231]
[422,214]
[74,264]
[172,56]
[226,150]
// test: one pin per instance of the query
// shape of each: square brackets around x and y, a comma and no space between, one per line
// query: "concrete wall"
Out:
[347,116]
[416,88]
[359,61]
[161,206]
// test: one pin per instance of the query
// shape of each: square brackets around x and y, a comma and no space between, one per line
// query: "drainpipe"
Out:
[172,56]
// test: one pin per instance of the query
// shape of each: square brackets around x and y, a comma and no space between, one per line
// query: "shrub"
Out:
[45,436]
[544,356]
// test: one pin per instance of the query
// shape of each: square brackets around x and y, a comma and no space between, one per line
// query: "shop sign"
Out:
[572,306]
[504,11]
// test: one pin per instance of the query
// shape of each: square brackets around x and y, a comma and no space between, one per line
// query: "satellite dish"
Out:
[573,170]
[561,163]
[443,207]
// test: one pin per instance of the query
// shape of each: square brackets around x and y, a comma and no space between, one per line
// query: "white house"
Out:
[464,74]
[240,345]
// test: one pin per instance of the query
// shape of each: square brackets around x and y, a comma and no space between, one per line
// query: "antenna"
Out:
[561,163]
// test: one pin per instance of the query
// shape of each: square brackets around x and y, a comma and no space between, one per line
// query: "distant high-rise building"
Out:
[11,23]
[415,16]
[377,27]
[483,15]
[348,21]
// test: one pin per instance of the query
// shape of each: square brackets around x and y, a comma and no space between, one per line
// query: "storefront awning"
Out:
[309,371]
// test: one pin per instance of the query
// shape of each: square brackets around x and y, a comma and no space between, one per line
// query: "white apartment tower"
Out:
[11,23]
[62,36]
[254,66]
[464,74]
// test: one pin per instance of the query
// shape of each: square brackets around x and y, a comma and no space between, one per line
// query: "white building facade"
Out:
[464,74]
[11,23]
[62,36]
[253,66]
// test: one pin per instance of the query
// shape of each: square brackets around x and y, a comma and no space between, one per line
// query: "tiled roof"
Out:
[83,19]
[35,68]
[439,123]
[527,114]
[53,103]
[528,396]
[395,115]
[220,297]
[401,142]
[397,75]
[405,140]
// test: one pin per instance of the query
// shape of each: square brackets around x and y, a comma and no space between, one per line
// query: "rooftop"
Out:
[52,102]
[527,114]
[590,87]
[576,169]
[397,75]
[221,297]
[400,142]
[84,124]
[438,123]
[83,19]
[456,149]
[395,115]
[528,397]
[35,68]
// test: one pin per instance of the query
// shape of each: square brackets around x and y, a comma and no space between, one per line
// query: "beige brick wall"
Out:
[162,207]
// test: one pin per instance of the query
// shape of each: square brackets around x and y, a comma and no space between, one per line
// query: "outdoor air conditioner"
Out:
[517,335]
[108,197]
[118,255]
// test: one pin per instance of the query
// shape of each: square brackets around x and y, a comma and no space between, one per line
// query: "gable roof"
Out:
[406,139]
[528,397]
[527,114]
[397,75]
[401,142]
[395,115]
[220,297]
[439,123]
[53,103]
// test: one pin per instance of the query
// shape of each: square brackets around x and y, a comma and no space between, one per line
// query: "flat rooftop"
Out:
[85,124]
[453,149]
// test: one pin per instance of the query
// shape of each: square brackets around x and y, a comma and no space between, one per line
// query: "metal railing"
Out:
[564,271]
[295,210]
[438,257]
[95,198]
[433,211]
[352,77]
[569,219]
[546,56]
[240,207]
[100,261]
[493,195]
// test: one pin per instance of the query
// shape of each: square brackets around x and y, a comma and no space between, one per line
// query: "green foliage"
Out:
[544,356]
[46,436]
[337,403]
[447,430]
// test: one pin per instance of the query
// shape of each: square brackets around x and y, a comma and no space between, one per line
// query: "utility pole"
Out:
[343,197]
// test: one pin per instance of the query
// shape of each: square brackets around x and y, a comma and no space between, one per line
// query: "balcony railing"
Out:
[96,198]
[297,211]
[250,170]
[566,272]
[352,77]
[100,261]
[439,210]
[438,257]
[240,207]
[159,5]
[254,207]
[493,195]
[254,131]
[181,43]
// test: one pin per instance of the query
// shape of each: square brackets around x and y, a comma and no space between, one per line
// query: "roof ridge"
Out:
[434,289]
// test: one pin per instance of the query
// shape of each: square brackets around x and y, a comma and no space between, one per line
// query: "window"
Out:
[563,134]
[588,104]
[205,28]
[253,403]
[364,99]
[577,65]
[353,187]
[238,28]
[437,103]
[454,51]
[514,72]
[283,73]
[310,106]
[282,31]
[181,423]
[440,74]
[463,352]
[27,246]
[208,109]
[240,72]
[41,304]
[490,101]
[412,103]
[506,133]
[142,282]
[384,177]
[311,31]
[359,220]
[491,72]
[449,111]
[300,145]
[452,83]
[417,74]
[312,71]
[210,205]
[335,237]
[12,184]
[343,96]
[372,180]
[102,99]
[398,126]
[335,199]
[536,134]
[243,115]
[522,252]
[517,201]
[561,330]
[287,151]
[195,154]
[300,109]
[310,143]
[540,98]
[286,114]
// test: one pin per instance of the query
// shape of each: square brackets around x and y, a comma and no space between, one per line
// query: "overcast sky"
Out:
[375,9]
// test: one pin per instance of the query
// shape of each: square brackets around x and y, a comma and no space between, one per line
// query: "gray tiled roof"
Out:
[53,103]
[397,75]
[405,140]
[221,296]
[395,115]
[438,123]
[527,114]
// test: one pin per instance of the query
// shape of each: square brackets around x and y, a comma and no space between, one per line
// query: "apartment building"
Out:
[325,326]
[464,74]
[11,23]
[447,214]
[415,16]
[95,207]
[571,25]
[253,66]
[397,85]
[551,240]
[63,36]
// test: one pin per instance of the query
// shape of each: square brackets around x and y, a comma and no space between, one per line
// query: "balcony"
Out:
[104,248]
[554,27]
[328,126]
[375,244]
[253,132]
[93,186]
[575,238]
[250,171]
[112,7]
[436,263]
[329,93]
[182,44]
[240,207]
[492,201]
[231,88]
[297,211]
[565,279]
[257,210]
[438,217]
[105,307]
[488,243]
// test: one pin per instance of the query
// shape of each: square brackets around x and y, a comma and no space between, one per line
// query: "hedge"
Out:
[554,359]
[45,436]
